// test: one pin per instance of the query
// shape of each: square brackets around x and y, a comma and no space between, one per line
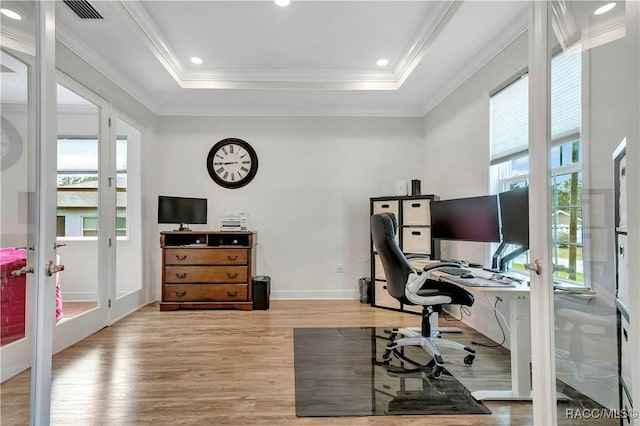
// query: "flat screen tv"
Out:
[182,210]
[466,219]
[514,211]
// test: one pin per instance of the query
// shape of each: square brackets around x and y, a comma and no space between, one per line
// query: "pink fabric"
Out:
[12,259]
[12,296]
[58,293]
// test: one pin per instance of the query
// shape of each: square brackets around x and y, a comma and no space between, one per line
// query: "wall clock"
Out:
[232,163]
[10,143]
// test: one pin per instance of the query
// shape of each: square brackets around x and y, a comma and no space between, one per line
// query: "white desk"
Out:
[520,334]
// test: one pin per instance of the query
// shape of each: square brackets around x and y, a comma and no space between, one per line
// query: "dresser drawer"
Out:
[416,240]
[204,256]
[416,212]
[205,292]
[205,274]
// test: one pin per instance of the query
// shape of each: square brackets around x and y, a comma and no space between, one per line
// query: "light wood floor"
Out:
[225,367]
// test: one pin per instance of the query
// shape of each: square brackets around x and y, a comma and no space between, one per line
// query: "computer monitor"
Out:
[466,219]
[182,210]
[514,211]
[514,218]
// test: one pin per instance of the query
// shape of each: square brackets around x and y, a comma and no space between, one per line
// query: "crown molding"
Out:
[140,21]
[17,41]
[293,112]
[518,27]
[426,35]
[67,38]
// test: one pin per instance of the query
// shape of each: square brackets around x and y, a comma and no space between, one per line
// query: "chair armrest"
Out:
[417,256]
[441,265]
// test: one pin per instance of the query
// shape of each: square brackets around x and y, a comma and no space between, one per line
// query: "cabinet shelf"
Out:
[413,213]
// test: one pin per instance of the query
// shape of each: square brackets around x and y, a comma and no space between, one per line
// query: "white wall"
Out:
[309,201]
[457,141]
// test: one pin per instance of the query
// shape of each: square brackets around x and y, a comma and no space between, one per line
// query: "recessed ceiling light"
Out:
[196,60]
[604,9]
[382,62]
[10,14]
[283,3]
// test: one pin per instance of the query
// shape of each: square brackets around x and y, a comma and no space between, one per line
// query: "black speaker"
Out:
[415,187]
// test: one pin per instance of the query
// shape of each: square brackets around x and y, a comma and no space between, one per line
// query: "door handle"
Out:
[535,266]
[562,268]
[22,271]
[52,268]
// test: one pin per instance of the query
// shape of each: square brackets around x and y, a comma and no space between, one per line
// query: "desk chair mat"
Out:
[338,372]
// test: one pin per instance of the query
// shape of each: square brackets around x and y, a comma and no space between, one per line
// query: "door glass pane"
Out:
[15,221]
[590,74]
[78,209]
[128,224]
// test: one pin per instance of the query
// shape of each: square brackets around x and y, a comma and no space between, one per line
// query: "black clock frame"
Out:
[245,180]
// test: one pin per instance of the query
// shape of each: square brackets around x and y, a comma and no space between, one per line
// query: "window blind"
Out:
[510,108]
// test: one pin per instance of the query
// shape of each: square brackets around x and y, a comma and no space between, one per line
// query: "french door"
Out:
[574,335]
[29,266]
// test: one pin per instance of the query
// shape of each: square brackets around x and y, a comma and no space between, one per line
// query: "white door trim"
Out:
[542,323]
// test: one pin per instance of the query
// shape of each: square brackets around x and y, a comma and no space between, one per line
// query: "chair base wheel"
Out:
[469,359]
[436,372]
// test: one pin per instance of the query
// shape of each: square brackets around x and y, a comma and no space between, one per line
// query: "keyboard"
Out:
[453,270]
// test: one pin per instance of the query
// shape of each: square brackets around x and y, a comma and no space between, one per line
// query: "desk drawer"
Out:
[416,212]
[205,292]
[205,256]
[205,274]
[416,240]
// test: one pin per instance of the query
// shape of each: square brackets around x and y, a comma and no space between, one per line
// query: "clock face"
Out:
[232,163]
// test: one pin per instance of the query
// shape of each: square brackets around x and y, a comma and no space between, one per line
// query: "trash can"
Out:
[261,290]
[364,285]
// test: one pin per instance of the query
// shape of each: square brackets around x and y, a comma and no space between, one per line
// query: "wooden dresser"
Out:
[207,269]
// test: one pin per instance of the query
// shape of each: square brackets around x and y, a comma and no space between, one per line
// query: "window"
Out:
[60,226]
[77,187]
[510,160]
[89,226]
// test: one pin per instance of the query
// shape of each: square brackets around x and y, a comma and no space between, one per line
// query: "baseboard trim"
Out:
[314,295]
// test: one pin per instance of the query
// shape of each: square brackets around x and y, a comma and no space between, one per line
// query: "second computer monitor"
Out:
[466,219]
[514,211]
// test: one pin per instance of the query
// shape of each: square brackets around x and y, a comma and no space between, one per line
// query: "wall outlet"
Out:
[339,268]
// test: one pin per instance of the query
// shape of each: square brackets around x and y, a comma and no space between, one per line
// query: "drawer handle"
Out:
[416,233]
[232,257]
[626,336]
[416,205]
[232,293]
[384,287]
[182,275]
[621,249]
[232,275]
[181,293]
[181,256]
[385,206]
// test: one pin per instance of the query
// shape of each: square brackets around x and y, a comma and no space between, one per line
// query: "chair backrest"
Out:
[396,266]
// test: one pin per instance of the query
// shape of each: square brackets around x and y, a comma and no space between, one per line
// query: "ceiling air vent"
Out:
[83,9]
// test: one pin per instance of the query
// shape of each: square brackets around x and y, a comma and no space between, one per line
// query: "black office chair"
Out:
[413,287]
